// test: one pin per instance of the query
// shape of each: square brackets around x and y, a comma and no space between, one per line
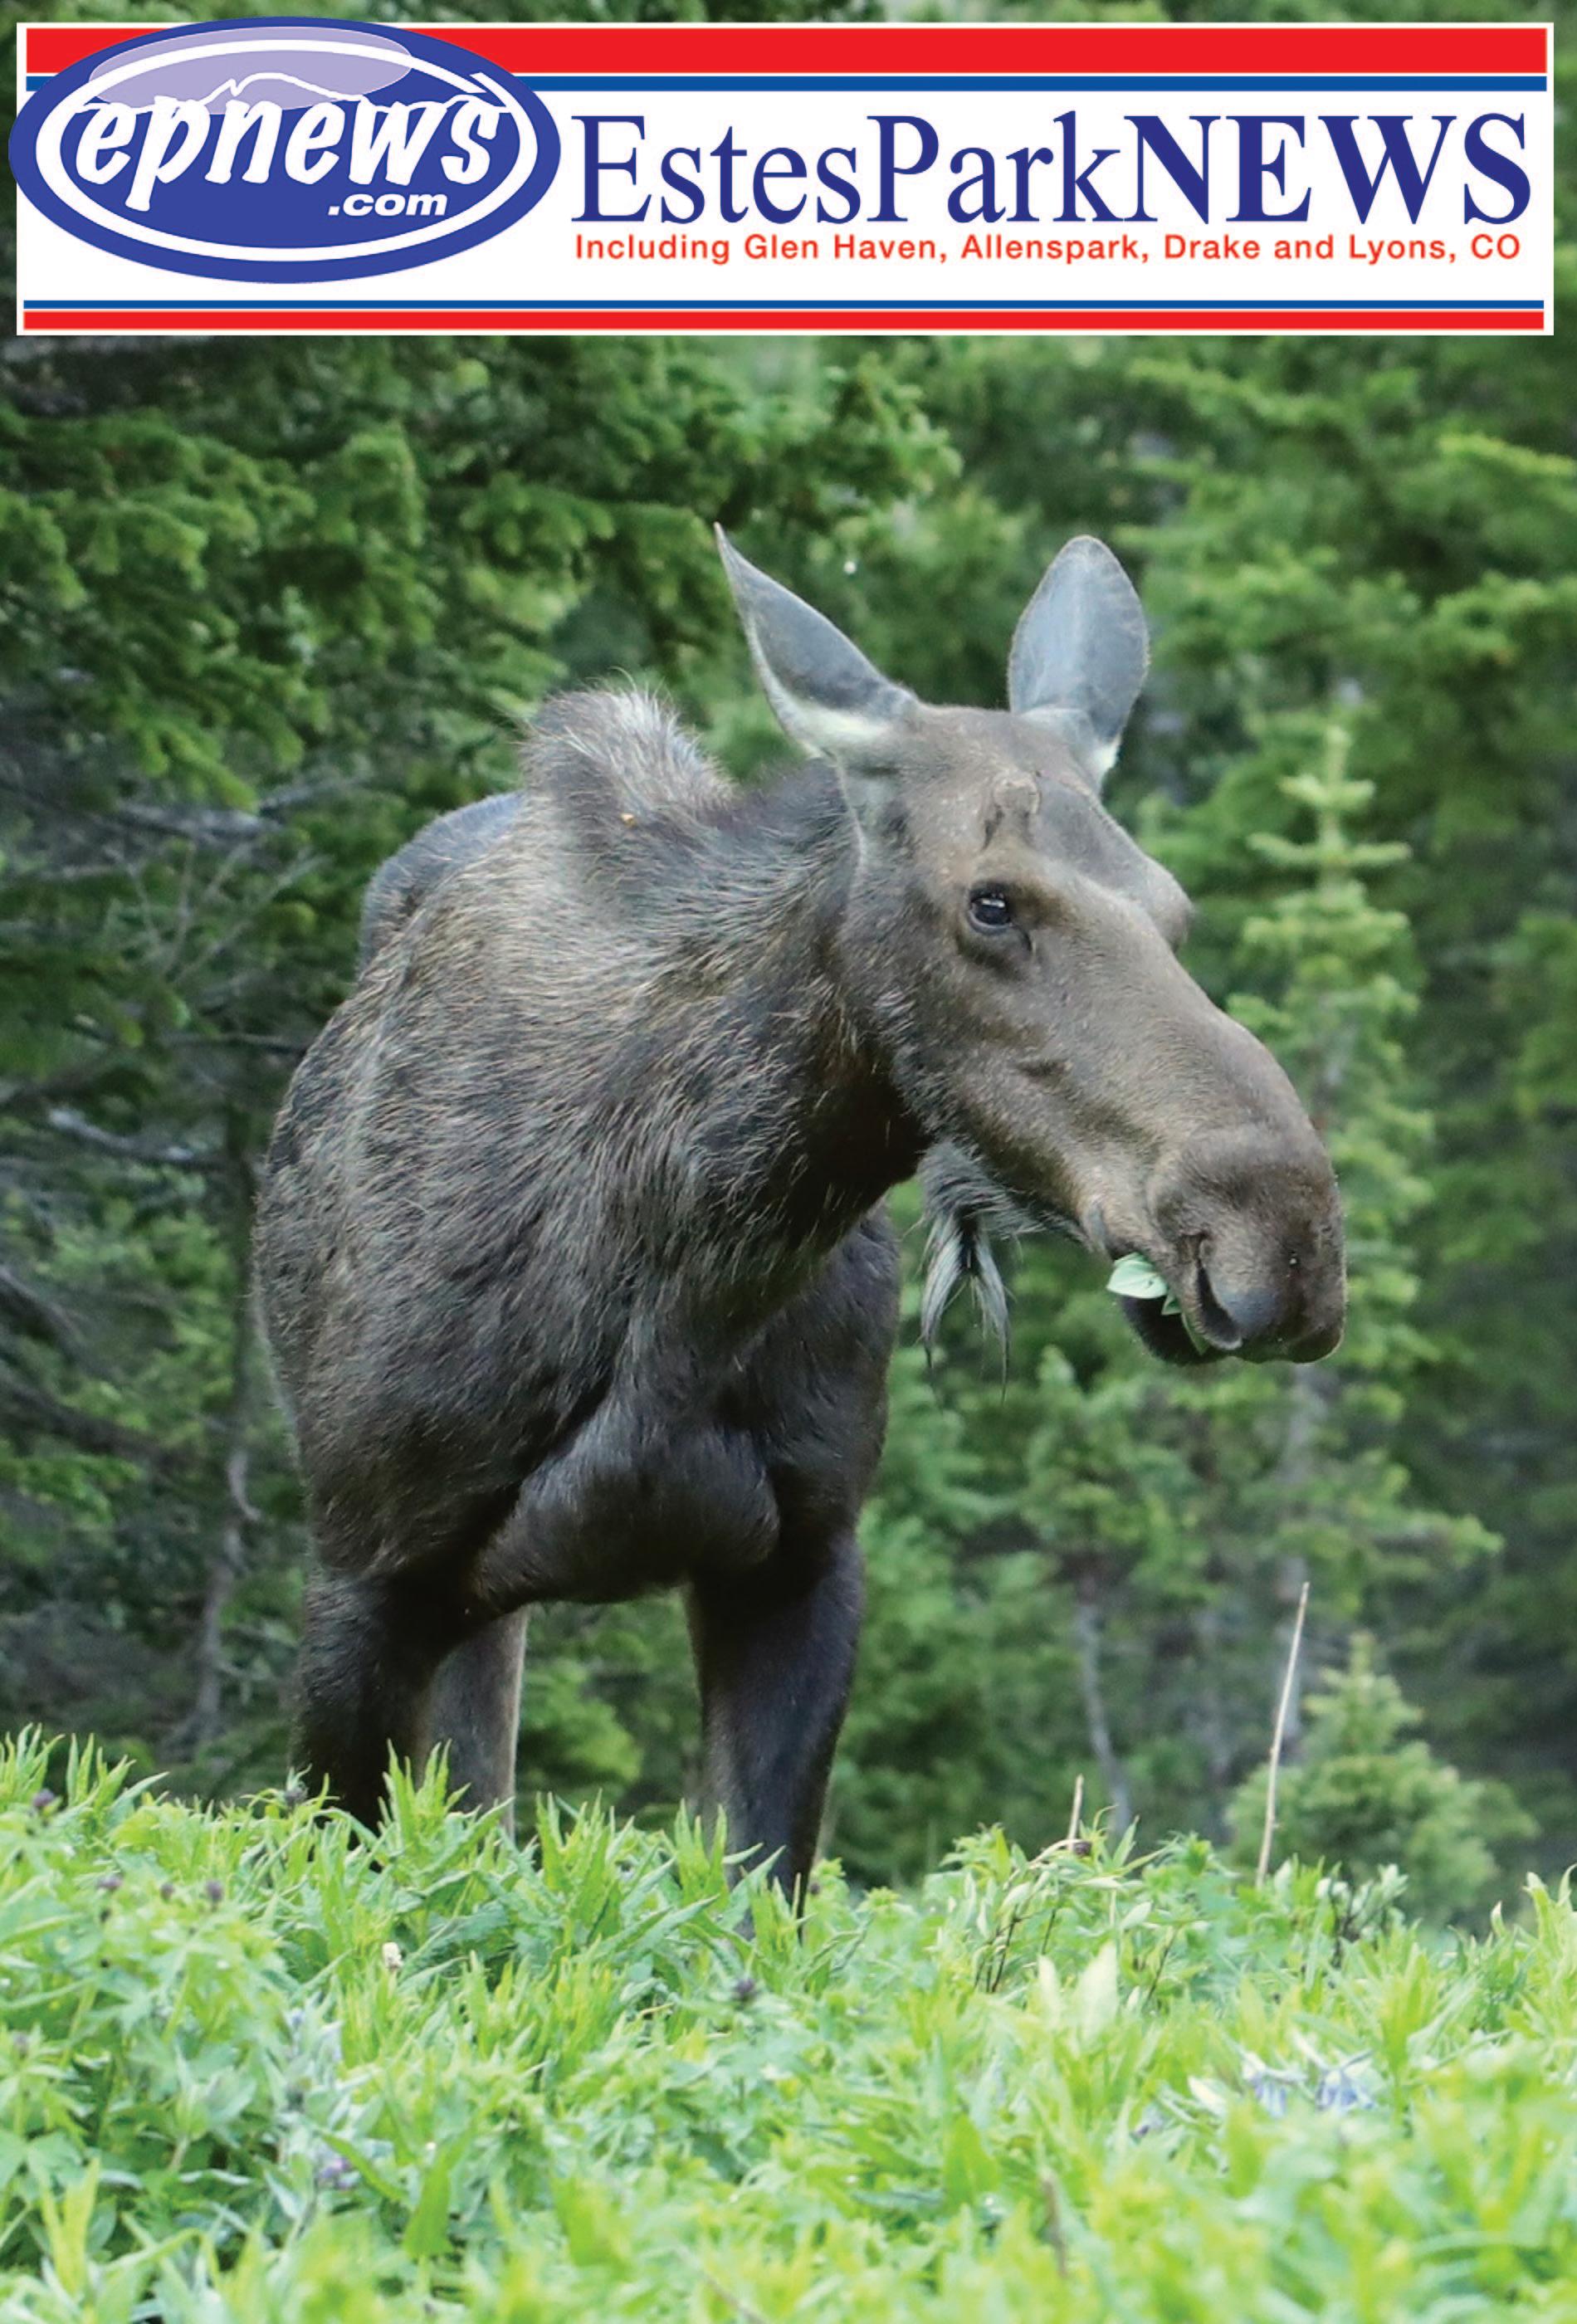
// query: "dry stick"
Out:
[1078,1812]
[1275,1741]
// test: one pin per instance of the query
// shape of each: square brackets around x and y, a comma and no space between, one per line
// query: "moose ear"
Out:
[1080,651]
[827,697]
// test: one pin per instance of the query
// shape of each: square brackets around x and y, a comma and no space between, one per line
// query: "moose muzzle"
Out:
[1247,1230]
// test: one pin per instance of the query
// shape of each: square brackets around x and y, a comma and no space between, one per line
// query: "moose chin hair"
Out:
[969,1213]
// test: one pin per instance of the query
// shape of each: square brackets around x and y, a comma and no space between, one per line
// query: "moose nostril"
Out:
[1216,1320]
[1250,1314]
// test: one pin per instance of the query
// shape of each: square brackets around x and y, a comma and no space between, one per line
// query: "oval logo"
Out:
[284,149]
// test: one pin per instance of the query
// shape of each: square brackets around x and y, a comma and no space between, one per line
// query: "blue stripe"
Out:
[776,306]
[917,84]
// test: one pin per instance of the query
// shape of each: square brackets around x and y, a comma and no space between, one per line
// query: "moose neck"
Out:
[800,1128]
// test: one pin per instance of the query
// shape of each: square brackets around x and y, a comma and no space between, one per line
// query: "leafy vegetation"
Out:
[268,607]
[252,2069]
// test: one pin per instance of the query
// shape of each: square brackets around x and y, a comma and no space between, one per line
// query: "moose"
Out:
[573,1252]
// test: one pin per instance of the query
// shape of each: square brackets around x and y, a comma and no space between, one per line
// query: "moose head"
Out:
[1011,953]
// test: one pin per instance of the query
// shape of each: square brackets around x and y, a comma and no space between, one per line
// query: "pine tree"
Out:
[1369,1793]
[1391,527]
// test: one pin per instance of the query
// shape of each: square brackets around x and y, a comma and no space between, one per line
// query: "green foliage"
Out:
[253,2069]
[1367,1794]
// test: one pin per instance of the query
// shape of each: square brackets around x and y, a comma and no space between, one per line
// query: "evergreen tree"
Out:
[1369,1793]
[1393,527]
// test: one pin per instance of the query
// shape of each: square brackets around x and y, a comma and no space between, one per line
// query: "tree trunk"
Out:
[205,1721]
[229,1558]
[1087,1644]
[1211,1712]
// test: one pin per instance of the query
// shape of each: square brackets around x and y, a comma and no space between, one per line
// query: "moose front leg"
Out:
[371,1648]
[474,1712]
[775,1654]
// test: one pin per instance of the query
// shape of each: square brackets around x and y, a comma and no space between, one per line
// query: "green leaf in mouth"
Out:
[1134,1277]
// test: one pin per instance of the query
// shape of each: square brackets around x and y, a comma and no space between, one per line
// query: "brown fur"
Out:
[571,1245]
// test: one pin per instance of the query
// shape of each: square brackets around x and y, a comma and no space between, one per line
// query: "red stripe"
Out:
[532,48]
[694,321]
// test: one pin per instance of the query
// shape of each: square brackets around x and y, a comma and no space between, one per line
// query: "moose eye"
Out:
[989,909]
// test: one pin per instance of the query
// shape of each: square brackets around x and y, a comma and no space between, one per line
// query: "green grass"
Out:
[250,2070]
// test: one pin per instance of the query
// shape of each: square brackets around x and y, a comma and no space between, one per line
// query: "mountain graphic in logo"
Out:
[195,67]
[278,150]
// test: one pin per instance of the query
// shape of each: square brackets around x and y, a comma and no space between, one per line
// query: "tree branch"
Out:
[23,1305]
[1087,1644]
[24,1407]
[72,1124]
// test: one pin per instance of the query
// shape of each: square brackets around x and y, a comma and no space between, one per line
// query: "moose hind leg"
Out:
[369,1653]
[775,1654]
[474,1708]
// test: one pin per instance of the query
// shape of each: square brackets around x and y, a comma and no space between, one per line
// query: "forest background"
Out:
[269,605]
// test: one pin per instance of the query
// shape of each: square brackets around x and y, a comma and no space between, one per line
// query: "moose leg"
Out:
[369,1652]
[474,1707]
[775,1654]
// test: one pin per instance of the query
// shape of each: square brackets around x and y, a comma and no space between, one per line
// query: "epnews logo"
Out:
[284,149]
